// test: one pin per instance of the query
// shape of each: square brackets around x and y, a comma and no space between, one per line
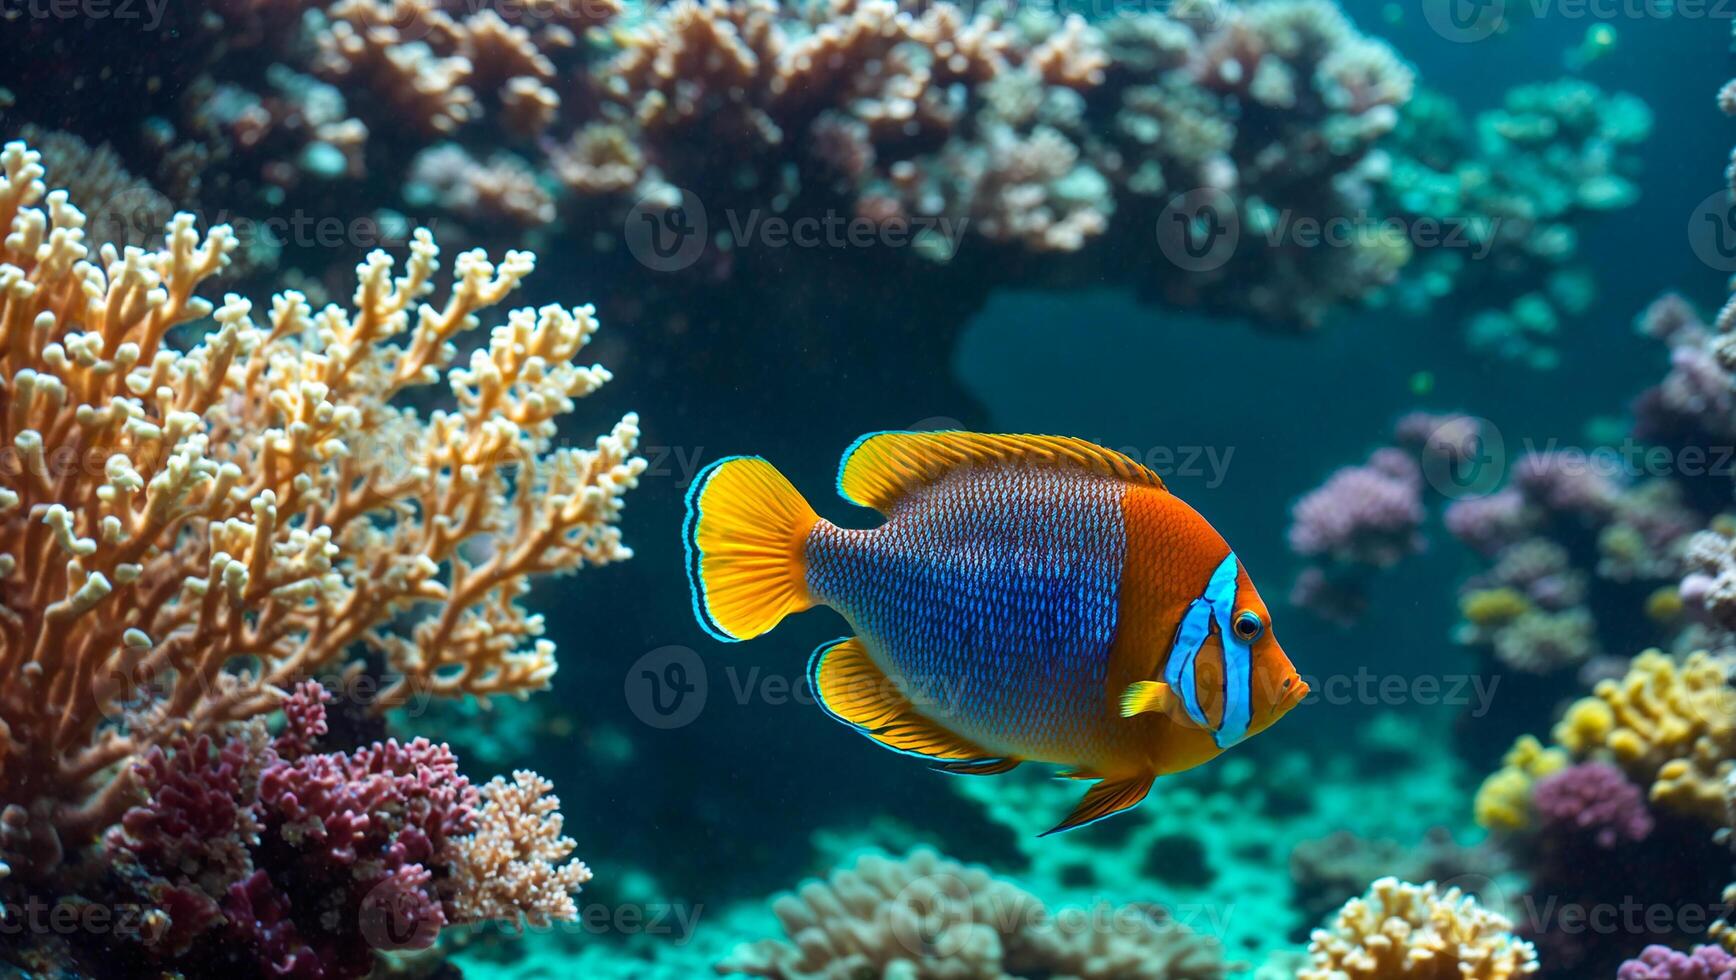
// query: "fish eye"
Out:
[1249,626]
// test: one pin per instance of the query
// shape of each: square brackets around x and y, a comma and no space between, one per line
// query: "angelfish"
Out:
[1027,599]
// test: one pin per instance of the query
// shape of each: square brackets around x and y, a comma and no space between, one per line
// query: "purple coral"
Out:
[315,859]
[1367,514]
[1593,799]
[1565,481]
[1488,523]
[1664,963]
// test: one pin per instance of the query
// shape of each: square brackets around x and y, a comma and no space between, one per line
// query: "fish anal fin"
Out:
[883,467]
[980,767]
[852,688]
[1105,799]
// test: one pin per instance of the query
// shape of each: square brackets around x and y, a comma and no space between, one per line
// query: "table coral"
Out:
[1400,931]
[198,509]
[925,917]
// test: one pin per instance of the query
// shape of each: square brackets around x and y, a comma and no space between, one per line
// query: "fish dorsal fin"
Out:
[880,468]
[854,690]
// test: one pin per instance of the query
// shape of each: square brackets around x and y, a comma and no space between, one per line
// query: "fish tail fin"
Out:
[747,532]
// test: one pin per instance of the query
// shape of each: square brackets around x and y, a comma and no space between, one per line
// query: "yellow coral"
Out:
[1492,607]
[1504,800]
[1399,930]
[1665,604]
[186,530]
[1671,725]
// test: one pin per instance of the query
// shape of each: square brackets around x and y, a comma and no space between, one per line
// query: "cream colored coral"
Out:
[188,529]
[1670,724]
[1415,932]
[929,918]
[517,863]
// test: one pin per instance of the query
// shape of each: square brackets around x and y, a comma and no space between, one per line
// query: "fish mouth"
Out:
[1298,690]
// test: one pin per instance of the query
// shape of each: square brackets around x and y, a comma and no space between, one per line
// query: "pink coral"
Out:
[1664,963]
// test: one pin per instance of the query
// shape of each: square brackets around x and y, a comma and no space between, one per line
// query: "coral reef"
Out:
[1404,930]
[268,854]
[198,512]
[924,916]
[1670,725]
[1663,963]
[1365,519]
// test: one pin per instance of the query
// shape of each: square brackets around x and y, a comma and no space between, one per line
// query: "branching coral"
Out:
[1400,931]
[191,522]
[928,918]
[512,866]
[309,862]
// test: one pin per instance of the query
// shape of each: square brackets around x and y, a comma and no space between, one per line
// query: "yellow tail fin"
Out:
[747,529]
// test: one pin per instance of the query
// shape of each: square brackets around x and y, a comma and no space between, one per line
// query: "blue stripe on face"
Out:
[1178,672]
[1216,605]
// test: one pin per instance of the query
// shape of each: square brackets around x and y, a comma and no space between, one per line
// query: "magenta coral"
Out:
[1664,963]
[315,860]
[1368,514]
[1593,799]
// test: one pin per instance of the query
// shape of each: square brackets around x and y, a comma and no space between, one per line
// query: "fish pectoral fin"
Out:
[979,767]
[1155,697]
[852,688]
[1147,696]
[1105,799]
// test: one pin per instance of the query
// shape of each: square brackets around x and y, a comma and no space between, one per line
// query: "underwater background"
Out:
[1418,302]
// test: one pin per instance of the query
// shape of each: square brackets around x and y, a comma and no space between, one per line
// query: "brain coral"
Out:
[1400,931]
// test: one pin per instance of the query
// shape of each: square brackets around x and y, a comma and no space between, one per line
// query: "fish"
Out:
[1026,598]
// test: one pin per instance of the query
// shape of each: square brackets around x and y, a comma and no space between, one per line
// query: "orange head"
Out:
[1225,673]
